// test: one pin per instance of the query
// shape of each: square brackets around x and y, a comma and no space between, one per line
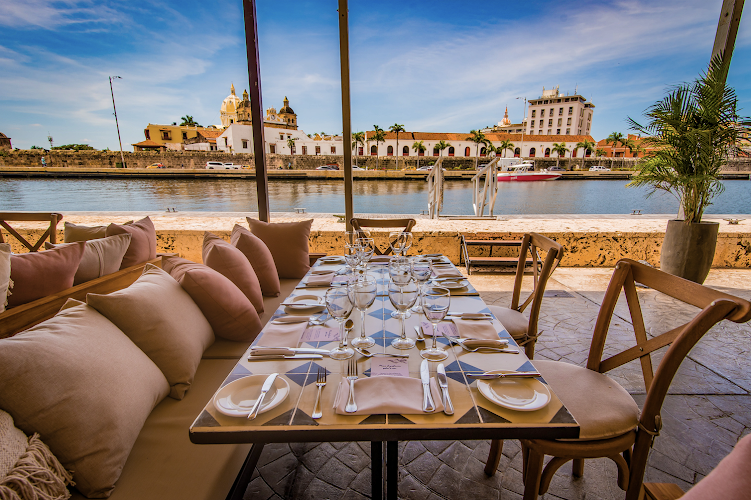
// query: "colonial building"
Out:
[170,136]
[238,138]
[5,142]
[557,114]
[505,126]
[234,110]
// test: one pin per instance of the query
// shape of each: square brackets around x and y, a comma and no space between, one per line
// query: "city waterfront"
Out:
[319,196]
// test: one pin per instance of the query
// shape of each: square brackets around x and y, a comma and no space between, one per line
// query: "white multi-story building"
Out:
[556,114]
[238,138]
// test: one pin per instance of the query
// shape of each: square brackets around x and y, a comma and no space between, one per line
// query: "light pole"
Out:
[122,156]
[524,114]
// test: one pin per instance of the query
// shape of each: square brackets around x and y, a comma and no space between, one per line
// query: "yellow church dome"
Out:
[228,110]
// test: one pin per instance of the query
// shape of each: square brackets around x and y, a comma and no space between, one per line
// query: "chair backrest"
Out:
[714,307]
[406,226]
[51,232]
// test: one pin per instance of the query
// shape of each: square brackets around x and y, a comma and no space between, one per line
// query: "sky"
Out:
[432,66]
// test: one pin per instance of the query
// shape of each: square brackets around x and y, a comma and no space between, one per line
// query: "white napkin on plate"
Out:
[386,395]
[281,334]
[473,329]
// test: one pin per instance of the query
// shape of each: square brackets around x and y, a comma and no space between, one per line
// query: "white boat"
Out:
[523,172]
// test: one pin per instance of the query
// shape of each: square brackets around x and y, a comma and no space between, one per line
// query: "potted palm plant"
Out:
[690,134]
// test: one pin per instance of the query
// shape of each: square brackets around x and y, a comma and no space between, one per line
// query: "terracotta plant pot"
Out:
[688,249]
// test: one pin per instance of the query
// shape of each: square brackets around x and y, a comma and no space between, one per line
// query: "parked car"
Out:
[331,166]
[355,167]
[214,165]
[556,169]
[426,167]
[231,166]
[156,165]
[599,168]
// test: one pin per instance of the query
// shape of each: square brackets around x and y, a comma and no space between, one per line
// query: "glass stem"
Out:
[435,335]
[362,324]
[341,335]
[404,334]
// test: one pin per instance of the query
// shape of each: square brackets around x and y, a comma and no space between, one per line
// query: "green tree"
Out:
[418,148]
[615,138]
[561,150]
[75,147]
[505,145]
[397,128]
[600,152]
[291,144]
[357,138]
[441,146]
[187,120]
[585,145]
[379,135]
[478,138]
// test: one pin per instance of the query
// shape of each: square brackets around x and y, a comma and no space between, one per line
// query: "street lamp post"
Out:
[524,114]
[122,156]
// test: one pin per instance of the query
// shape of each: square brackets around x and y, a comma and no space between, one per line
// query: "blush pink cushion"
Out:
[38,274]
[142,242]
[260,258]
[288,244]
[229,312]
[730,479]
[232,264]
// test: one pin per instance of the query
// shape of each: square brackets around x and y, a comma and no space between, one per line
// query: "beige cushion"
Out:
[288,244]
[75,232]
[4,274]
[232,264]
[601,406]
[142,244]
[160,318]
[515,323]
[79,382]
[101,257]
[259,256]
[165,465]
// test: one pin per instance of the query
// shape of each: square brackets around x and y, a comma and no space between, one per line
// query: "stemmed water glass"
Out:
[362,294]
[402,298]
[339,306]
[435,305]
[400,274]
[352,256]
[407,242]
[396,242]
[421,272]
[367,248]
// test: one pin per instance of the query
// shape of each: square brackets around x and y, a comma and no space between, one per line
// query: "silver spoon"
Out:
[348,326]
[420,336]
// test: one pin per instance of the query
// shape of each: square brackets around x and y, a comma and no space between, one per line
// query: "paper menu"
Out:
[320,334]
[448,328]
[389,367]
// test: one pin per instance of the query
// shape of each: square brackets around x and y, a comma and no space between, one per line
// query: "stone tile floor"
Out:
[707,410]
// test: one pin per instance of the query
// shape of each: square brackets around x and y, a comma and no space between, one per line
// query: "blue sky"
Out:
[433,66]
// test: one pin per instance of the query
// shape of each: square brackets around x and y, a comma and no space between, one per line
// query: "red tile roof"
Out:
[148,144]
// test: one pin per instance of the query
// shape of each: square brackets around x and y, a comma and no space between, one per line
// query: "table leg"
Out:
[392,469]
[376,469]
[237,492]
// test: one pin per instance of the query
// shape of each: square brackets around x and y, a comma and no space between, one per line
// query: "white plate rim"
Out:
[331,258]
[459,283]
[484,387]
[280,395]
[303,307]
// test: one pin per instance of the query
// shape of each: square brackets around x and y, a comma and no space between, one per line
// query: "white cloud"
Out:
[51,14]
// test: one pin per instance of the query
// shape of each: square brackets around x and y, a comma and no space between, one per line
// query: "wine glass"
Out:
[352,256]
[435,305]
[396,242]
[367,246]
[400,273]
[363,294]
[339,306]
[406,241]
[421,272]
[350,237]
[402,298]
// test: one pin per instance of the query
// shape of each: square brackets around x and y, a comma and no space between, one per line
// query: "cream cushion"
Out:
[101,257]
[160,318]
[515,323]
[74,232]
[80,383]
[4,274]
[601,406]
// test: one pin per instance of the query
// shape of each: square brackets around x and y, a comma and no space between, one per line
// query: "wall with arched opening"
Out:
[532,152]
[373,150]
[390,151]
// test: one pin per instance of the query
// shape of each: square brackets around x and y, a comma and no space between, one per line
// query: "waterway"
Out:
[382,197]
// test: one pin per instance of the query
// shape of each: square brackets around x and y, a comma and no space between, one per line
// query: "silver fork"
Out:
[351,376]
[320,383]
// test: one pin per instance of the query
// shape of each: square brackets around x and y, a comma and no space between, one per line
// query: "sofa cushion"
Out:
[4,274]
[231,263]
[39,274]
[229,312]
[259,256]
[288,244]
[101,257]
[75,232]
[142,243]
[165,465]
[730,479]
[80,383]
[160,318]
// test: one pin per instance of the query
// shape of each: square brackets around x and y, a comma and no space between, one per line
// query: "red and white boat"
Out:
[524,172]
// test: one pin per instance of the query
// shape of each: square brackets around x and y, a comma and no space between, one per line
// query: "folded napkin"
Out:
[473,329]
[386,395]
[281,334]
[446,272]
[476,343]
[322,271]
[291,319]
[320,279]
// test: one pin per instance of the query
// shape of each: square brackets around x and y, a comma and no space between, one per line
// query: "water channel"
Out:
[382,197]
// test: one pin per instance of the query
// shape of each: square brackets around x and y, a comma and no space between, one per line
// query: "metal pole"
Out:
[122,157]
[346,115]
[256,108]
[524,114]
[727,29]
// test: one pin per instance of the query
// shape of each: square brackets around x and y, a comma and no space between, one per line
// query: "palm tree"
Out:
[291,144]
[561,149]
[378,136]
[441,146]
[504,145]
[478,138]
[187,120]
[585,145]
[418,148]
[599,152]
[357,138]
[397,128]
[615,138]
[490,149]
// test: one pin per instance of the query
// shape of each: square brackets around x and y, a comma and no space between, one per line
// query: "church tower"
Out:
[228,111]
[288,116]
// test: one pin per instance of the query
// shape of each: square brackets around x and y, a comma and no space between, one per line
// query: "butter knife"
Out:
[427,401]
[282,356]
[448,408]
[267,385]
[491,376]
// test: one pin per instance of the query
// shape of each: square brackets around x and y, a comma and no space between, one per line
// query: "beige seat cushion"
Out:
[160,318]
[165,465]
[4,274]
[601,406]
[515,323]
[101,257]
[228,349]
[79,382]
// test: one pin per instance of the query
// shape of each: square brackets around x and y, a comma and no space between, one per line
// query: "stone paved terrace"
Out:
[706,412]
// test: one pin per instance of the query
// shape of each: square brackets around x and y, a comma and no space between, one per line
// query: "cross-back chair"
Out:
[610,422]
[50,233]
[406,226]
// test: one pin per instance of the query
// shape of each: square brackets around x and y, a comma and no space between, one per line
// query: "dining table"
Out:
[482,409]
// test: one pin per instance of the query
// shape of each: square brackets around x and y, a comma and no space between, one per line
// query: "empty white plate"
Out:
[522,394]
[309,303]
[237,398]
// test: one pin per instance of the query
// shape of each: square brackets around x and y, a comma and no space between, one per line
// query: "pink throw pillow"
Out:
[288,244]
[38,274]
[142,242]
[260,258]
[232,264]
[229,312]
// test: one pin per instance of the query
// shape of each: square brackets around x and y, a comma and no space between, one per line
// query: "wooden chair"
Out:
[610,422]
[406,226]
[50,233]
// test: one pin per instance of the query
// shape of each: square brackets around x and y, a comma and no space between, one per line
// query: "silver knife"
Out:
[295,350]
[491,376]
[448,408]
[267,384]
[281,356]
[427,401]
